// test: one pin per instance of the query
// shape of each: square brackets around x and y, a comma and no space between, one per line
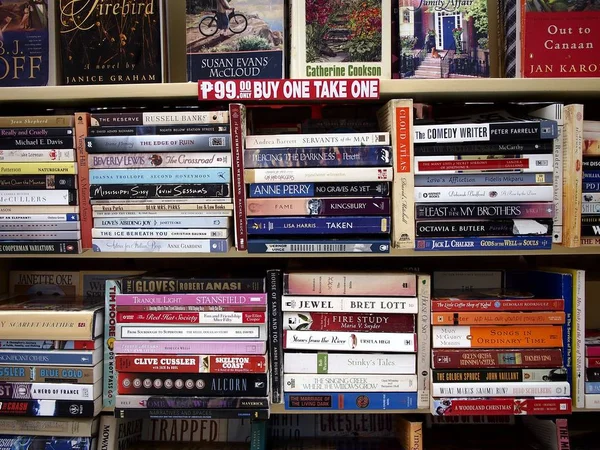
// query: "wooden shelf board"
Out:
[279,409]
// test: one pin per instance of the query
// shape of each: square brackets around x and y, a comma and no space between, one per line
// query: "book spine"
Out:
[160,285]
[484,243]
[501,406]
[184,347]
[195,308]
[148,191]
[98,233]
[230,385]
[533,389]
[557,182]
[345,363]
[338,383]
[572,175]
[141,130]
[192,414]
[40,226]
[498,376]
[484,179]
[219,210]
[48,358]
[391,305]
[82,123]
[51,374]
[423,340]
[579,337]
[46,391]
[38,143]
[61,121]
[112,288]
[276,326]
[274,190]
[318,157]
[167,207]
[205,318]
[160,332]
[159,119]
[34,197]
[84,443]
[350,284]
[40,235]
[32,155]
[156,401]
[592,401]
[38,182]
[472,228]
[6,210]
[591,374]
[481,359]
[31,344]
[56,427]
[350,401]
[314,321]
[29,168]
[317,206]
[590,186]
[442,194]
[40,247]
[355,342]
[162,222]
[486,132]
[325,246]
[317,140]
[541,336]
[192,364]
[141,160]
[151,176]
[592,350]
[592,362]
[498,318]
[191,299]
[486,211]
[523,163]
[484,148]
[162,245]
[319,225]
[318,174]
[591,197]
[180,143]
[238,137]
[49,408]
[164,201]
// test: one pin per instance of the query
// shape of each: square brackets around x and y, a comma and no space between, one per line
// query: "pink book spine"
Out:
[184,347]
[355,284]
[191,299]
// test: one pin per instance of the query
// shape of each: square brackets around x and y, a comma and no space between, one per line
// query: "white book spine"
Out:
[591,197]
[172,207]
[579,339]
[423,324]
[32,155]
[317,140]
[446,194]
[185,117]
[447,133]
[355,342]
[199,233]
[184,213]
[426,165]
[161,245]
[557,182]
[36,217]
[34,197]
[318,175]
[592,401]
[508,389]
[348,363]
[41,235]
[213,332]
[395,305]
[356,383]
[53,391]
[161,222]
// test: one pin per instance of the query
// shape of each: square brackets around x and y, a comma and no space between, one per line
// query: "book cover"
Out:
[26,43]
[443,39]
[111,42]
[235,39]
[341,39]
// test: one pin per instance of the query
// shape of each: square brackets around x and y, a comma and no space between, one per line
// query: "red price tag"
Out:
[301,89]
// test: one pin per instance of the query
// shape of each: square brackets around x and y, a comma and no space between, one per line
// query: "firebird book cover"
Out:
[560,38]
[235,39]
[111,42]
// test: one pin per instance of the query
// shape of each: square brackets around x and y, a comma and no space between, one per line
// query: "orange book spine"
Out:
[82,123]
[498,318]
[535,336]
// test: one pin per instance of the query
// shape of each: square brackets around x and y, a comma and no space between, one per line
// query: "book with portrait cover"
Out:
[235,39]
[111,42]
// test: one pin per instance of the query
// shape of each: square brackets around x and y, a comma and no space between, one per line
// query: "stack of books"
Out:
[590,212]
[484,182]
[592,369]
[318,192]
[50,367]
[38,185]
[189,347]
[349,340]
[162,183]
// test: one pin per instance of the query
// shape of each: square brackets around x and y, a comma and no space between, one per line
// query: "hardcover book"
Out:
[232,39]
[446,39]
[111,42]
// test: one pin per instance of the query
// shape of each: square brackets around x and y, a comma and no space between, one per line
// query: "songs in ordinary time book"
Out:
[111,42]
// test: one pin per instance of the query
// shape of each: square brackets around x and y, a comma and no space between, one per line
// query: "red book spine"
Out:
[475,164]
[219,317]
[191,308]
[592,362]
[82,123]
[84,345]
[502,406]
[237,119]
[457,305]
[389,323]
[593,351]
[191,364]
[479,359]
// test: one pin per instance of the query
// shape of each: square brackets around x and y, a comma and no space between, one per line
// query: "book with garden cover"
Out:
[341,39]
[235,39]
[444,39]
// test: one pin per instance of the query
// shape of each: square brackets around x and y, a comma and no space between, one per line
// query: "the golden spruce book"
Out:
[51,318]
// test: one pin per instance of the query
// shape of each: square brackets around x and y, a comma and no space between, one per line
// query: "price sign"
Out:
[302,89]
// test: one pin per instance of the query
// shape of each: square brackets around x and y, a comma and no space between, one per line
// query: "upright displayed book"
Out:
[347,38]
[111,43]
[240,39]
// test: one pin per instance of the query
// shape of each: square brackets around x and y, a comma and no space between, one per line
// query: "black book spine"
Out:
[151,191]
[150,413]
[38,182]
[484,148]
[47,408]
[591,162]
[159,285]
[37,143]
[275,318]
[40,247]
[592,374]
[14,133]
[157,130]
[158,402]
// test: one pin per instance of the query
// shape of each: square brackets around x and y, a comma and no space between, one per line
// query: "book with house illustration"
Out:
[443,39]
[235,39]
[341,39]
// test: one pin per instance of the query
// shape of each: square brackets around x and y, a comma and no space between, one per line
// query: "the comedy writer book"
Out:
[341,39]
[239,39]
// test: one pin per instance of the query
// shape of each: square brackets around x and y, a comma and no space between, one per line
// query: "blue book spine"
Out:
[274,190]
[367,156]
[319,225]
[319,246]
[591,186]
[166,176]
[591,175]
[46,357]
[45,443]
[492,179]
[484,243]
[592,387]
[350,401]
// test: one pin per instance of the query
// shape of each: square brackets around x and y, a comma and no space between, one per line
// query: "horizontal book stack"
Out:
[484,182]
[349,341]
[50,371]
[590,212]
[318,193]
[189,347]
[160,182]
[592,369]
[38,186]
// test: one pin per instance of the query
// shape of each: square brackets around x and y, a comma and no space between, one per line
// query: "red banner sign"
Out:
[301,89]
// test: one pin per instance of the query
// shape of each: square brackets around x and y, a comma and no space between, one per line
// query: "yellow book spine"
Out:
[43,325]
[63,168]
